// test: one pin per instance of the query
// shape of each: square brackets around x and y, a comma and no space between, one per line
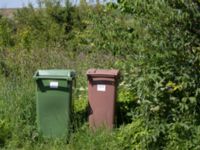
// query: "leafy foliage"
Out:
[154,43]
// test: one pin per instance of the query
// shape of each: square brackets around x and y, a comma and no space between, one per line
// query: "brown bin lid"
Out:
[103,73]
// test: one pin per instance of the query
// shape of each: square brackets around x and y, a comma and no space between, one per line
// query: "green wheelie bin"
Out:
[54,102]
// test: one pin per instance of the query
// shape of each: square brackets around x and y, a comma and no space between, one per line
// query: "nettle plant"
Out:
[165,57]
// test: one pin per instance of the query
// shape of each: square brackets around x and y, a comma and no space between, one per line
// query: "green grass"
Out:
[18,113]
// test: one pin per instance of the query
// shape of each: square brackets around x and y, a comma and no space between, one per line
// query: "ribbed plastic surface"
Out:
[103,72]
[54,96]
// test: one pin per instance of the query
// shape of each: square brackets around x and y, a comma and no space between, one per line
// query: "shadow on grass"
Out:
[79,118]
[122,112]
[2,143]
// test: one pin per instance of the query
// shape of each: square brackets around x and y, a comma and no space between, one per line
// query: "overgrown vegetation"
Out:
[154,43]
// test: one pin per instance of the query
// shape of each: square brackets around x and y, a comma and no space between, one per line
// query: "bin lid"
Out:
[103,73]
[55,73]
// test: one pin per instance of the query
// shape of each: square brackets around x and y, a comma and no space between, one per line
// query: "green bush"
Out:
[6,32]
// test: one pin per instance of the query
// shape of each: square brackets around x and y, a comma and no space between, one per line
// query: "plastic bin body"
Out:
[54,106]
[102,87]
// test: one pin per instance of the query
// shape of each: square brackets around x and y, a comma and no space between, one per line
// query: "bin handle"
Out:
[102,76]
[52,77]
[74,81]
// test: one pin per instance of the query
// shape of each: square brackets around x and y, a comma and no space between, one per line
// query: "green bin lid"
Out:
[55,73]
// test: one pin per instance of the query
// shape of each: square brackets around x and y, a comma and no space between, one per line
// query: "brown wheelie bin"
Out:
[102,87]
